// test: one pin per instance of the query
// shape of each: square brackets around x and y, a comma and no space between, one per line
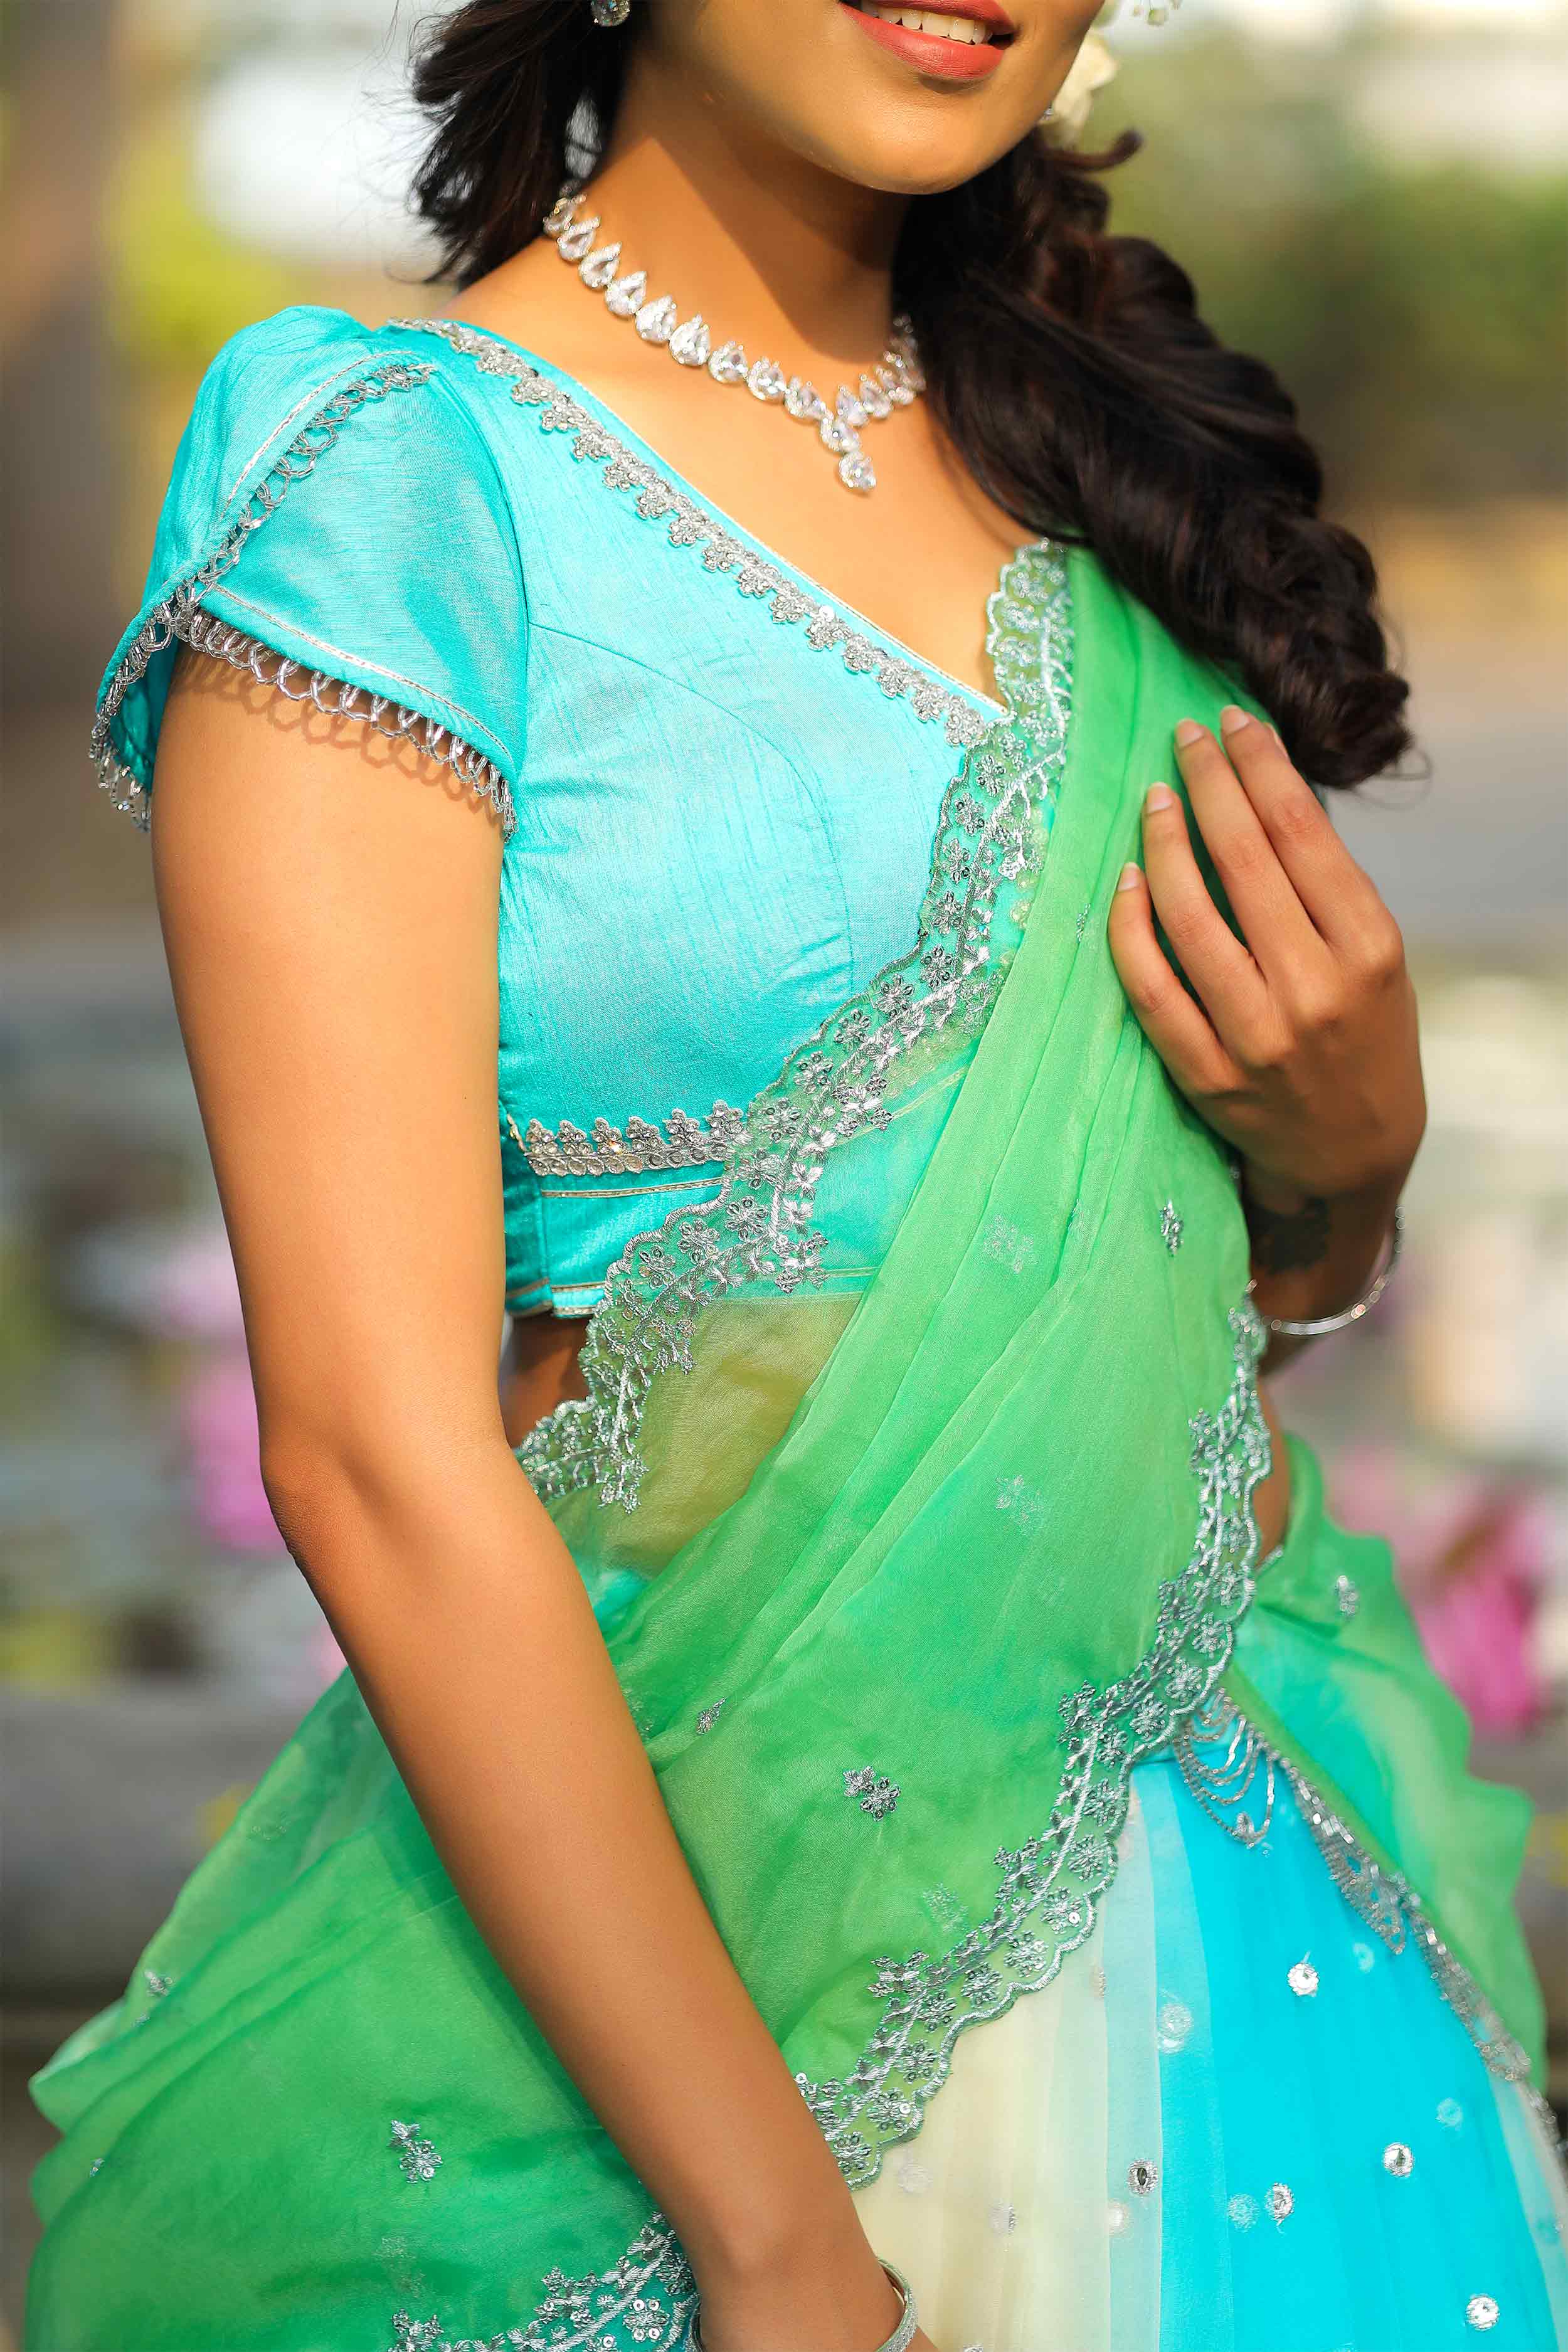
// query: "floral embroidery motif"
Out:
[913,2178]
[692,524]
[1004,2220]
[1009,1244]
[1172,1227]
[180,617]
[877,1793]
[1398,2159]
[1302,1979]
[1347,1596]
[991,837]
[1243,2212]
[1172,2027]
[1142,2176]
[416,2158]
[1281,2201]
[156,1985]
[648,2298]
[1024,1504]
[684,1142]
[710,1716]
[1049,1889]
[1481,2312]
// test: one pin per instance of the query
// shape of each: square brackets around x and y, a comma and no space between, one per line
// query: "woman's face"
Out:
[904,98]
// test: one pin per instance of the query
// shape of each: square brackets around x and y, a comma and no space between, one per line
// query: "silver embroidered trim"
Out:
[682,1142]
[692,524]
[1045,1908]
[1382,1899]
[992,831]
[1051,1886]
[1226,1783]
[180,616]
[646,2300]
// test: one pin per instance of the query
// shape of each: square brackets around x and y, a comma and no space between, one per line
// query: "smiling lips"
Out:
[960,44]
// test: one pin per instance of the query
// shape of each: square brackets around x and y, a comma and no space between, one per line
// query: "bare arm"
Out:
[329,904]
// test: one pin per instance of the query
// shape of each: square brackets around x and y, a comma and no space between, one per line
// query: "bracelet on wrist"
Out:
[903,2334]
[1320,1325]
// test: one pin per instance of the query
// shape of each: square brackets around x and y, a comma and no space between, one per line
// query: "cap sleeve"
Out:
[334,524]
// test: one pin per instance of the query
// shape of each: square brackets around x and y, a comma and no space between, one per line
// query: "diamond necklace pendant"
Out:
[892,383]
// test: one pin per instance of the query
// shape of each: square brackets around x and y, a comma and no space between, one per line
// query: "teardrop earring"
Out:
[611,12]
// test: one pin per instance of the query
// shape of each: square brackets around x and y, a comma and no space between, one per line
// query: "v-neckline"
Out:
[679,484]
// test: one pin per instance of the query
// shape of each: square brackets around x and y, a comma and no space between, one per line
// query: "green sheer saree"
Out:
[914,1492]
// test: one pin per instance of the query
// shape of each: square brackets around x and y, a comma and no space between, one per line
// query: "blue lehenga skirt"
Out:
[1242,2119]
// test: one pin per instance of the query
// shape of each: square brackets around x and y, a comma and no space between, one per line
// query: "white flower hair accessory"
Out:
[1090,70]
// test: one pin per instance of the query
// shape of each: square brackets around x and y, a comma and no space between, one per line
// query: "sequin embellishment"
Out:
[682,1142]
[990,839]
[1281,2201]
[1302,1979]
[710,1716]
[1009,1244]
[1172,2027]
[877,1793]
[1481,2312]
[1025,1506]
[1143,2176]
[1173,1225]
[1398,2160]
[692,524]
[418,2159]
[180,617]
[1347,1596]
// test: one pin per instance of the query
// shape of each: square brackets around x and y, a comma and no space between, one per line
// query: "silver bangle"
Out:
[1322,1324]
[903,2334]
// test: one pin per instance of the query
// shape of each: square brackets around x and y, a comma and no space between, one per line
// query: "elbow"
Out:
[345,1490]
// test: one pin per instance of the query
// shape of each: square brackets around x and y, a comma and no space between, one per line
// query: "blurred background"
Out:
[1371,192]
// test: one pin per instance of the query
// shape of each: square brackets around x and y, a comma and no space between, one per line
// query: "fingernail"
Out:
[1231,719]
[1129,877]
[1158,796]
[1189,731]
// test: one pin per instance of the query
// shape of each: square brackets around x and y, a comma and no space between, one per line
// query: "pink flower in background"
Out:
[1473,1558]
[218,1423]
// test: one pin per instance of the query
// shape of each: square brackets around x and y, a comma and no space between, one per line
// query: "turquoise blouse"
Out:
[718,785]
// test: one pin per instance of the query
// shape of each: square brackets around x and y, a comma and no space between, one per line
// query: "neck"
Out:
[772,248]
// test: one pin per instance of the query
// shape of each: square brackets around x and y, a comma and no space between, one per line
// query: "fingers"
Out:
[1275,925]
[1341,900]
[1179,1030]
[1213,958]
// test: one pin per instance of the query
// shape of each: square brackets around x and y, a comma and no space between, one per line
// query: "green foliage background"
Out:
[1418,313]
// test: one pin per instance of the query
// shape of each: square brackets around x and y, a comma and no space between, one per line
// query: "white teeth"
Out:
[930,20]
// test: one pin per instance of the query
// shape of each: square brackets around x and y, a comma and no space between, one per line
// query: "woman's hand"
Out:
[1296,1041]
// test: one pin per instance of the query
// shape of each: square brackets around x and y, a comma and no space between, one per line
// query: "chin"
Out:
[878,103]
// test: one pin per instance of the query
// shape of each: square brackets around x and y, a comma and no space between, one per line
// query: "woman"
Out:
[906,1824]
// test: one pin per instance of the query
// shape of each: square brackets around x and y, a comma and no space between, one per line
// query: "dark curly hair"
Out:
[1069,365]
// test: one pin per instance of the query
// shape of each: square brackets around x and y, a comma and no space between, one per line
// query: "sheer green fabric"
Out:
[914,1491]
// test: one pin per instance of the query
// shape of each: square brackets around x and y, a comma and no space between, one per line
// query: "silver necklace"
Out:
[894,380]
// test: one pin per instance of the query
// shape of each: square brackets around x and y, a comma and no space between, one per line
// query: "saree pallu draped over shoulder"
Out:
[914,1489]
